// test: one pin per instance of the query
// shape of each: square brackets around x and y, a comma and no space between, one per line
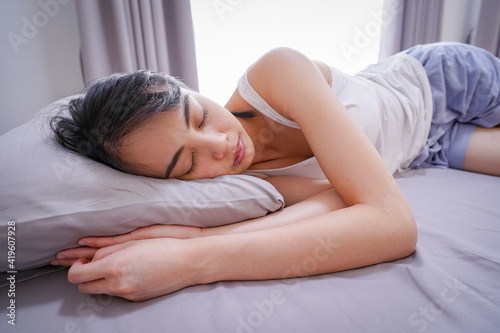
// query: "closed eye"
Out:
[203,120]
[193,156]
[193,164]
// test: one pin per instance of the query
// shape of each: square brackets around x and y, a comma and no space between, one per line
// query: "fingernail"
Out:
[82,242]
[60,256]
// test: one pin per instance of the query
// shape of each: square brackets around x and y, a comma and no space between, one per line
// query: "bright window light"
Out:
[231,34]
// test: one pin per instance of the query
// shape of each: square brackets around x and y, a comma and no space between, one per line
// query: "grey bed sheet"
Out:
[450,284]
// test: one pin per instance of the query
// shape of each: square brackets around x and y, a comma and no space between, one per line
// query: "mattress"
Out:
[450,284]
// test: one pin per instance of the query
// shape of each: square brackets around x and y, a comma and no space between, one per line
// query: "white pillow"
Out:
[55,197]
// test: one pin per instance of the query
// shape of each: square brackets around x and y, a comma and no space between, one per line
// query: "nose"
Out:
[216,144]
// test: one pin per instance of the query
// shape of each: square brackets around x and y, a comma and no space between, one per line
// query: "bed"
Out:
[450,284]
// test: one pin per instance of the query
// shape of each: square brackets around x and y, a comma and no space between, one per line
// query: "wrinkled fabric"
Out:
[465,83]
[391,102]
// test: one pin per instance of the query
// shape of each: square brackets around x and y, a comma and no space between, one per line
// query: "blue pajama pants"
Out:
[465,84]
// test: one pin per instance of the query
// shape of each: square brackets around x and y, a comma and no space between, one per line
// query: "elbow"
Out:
[407,235]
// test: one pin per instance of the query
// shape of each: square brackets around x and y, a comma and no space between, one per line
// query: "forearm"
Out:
[316,205]
[298,189]
[348,238]
[337,240]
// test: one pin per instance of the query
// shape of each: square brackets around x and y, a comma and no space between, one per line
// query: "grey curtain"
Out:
[409,22]
[128,35]
[487,34]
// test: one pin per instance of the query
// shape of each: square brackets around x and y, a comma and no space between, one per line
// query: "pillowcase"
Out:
[54,197]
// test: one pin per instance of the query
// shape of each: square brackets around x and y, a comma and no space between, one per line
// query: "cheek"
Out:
[229,122]
[223,117]
[208,168]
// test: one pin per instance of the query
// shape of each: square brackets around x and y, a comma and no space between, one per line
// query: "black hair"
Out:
[95,122]
[244,114]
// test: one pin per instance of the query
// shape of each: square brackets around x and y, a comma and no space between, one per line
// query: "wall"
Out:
[39,57]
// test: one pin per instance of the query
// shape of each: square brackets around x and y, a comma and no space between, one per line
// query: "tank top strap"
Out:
[253,98]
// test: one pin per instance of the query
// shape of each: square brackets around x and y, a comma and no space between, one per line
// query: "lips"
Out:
[240,153]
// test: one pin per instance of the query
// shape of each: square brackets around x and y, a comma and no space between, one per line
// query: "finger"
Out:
[161,231]
[108,250]
[84,271]
[153,231]
[111,240]
[93,278]
[95,287]
[75,253]
[105,286]
[63,262]
[101,241]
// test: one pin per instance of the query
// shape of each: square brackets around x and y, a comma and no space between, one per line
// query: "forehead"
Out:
[150,147]
[163,126]
[164,121]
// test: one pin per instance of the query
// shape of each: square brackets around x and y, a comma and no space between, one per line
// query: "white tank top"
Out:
[391,101]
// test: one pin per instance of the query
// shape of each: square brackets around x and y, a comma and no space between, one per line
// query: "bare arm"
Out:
[375,226]
[297,189]
[317,204]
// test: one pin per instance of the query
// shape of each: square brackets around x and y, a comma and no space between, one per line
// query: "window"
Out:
[231,34]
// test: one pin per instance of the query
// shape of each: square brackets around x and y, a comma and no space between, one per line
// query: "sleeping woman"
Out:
[329,142]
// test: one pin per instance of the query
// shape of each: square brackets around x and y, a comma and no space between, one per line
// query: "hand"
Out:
[69,256]
[152,231]
[91,244]
[138,270]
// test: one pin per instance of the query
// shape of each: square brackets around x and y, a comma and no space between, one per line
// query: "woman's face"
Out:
[198,140]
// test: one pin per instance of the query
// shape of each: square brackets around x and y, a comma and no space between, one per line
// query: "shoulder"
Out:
[274,61]
[278,58]
[280,64]
[277,71]
[283,74]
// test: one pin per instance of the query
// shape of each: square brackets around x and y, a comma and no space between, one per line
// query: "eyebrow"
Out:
[186,109]
[173,163]
[175,159]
